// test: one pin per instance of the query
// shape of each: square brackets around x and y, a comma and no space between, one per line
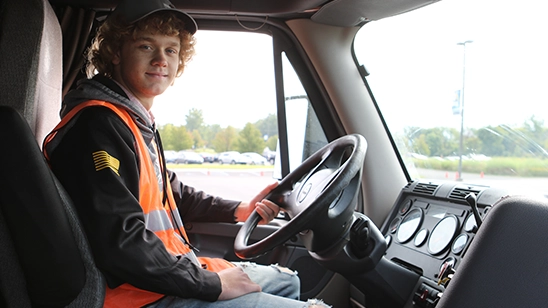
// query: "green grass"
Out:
[526,167]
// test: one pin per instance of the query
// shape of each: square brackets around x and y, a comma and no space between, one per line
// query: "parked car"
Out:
[170,156]
[269,155]
[209,157]
[187,157]
[231,157]
[255,158]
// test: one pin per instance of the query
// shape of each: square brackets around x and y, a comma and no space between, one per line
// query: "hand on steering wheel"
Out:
[317,196]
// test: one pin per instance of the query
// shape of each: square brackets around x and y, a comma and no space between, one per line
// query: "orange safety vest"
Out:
[156,213]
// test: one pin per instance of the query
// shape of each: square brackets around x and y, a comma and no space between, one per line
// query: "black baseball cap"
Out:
[134,10]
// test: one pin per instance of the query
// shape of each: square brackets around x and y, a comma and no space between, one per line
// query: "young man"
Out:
[107,153]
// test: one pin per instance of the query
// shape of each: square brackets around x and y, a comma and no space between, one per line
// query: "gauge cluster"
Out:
[430,227]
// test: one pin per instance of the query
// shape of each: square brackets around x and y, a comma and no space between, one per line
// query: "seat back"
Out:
[506,264]
[31,62]
[43,246]
[44,256]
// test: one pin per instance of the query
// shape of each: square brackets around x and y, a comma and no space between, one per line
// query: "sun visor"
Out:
[350,13]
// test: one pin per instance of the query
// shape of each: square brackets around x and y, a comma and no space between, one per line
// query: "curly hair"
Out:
[114,32]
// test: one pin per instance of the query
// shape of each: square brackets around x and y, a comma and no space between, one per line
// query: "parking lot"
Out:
[228,183]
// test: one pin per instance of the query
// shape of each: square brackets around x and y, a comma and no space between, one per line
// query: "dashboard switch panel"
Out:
[426,296]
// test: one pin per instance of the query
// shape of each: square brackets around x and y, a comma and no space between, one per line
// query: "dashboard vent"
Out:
[460,193]
[425,188]
[408,186]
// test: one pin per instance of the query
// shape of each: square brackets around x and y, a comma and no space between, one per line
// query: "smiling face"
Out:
[147,65]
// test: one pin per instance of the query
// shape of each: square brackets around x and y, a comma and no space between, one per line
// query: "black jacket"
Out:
[108,203]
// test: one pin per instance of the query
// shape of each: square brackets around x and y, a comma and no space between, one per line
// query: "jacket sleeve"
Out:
[106,200]
[197,206]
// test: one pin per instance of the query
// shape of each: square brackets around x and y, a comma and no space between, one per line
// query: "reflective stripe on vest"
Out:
[158,217]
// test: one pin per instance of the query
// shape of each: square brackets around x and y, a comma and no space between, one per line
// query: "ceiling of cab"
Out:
[345,13]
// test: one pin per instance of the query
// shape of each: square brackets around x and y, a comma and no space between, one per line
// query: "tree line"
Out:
[528,140]
[198,135]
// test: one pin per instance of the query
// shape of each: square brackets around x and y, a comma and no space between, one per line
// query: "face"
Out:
[147,66]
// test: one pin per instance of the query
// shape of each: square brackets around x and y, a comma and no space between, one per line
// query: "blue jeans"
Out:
[280,288]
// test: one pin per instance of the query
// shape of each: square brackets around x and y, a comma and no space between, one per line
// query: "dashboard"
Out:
[430,228]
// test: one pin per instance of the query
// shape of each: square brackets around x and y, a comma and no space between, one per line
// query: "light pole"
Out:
[462,106]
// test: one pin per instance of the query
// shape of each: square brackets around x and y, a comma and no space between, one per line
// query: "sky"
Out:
[506,68]
[212,86]
[506,64]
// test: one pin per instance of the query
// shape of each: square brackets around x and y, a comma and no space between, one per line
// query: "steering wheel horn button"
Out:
[304,192]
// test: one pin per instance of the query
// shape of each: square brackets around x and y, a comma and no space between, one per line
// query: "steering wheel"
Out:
[317,197]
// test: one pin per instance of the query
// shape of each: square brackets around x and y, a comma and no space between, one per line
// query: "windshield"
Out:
[462,87]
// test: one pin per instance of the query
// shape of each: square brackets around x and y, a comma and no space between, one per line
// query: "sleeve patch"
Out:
[103,160]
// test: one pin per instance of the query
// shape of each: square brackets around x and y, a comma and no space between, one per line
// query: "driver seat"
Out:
[45,260]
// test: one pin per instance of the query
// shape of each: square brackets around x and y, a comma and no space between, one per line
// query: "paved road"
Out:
[229,184]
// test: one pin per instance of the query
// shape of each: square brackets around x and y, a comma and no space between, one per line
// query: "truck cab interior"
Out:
[383,205]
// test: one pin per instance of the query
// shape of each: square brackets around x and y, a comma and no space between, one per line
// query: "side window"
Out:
[225,102]
[305,135]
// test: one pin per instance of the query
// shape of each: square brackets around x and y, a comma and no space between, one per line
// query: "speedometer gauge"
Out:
[409,225]
[442,234]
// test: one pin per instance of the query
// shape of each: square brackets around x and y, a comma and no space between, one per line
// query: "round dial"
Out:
[470,224]
[394,225]
[459,243]
[420,237]
[405,207]
[442,234]
[409,225]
